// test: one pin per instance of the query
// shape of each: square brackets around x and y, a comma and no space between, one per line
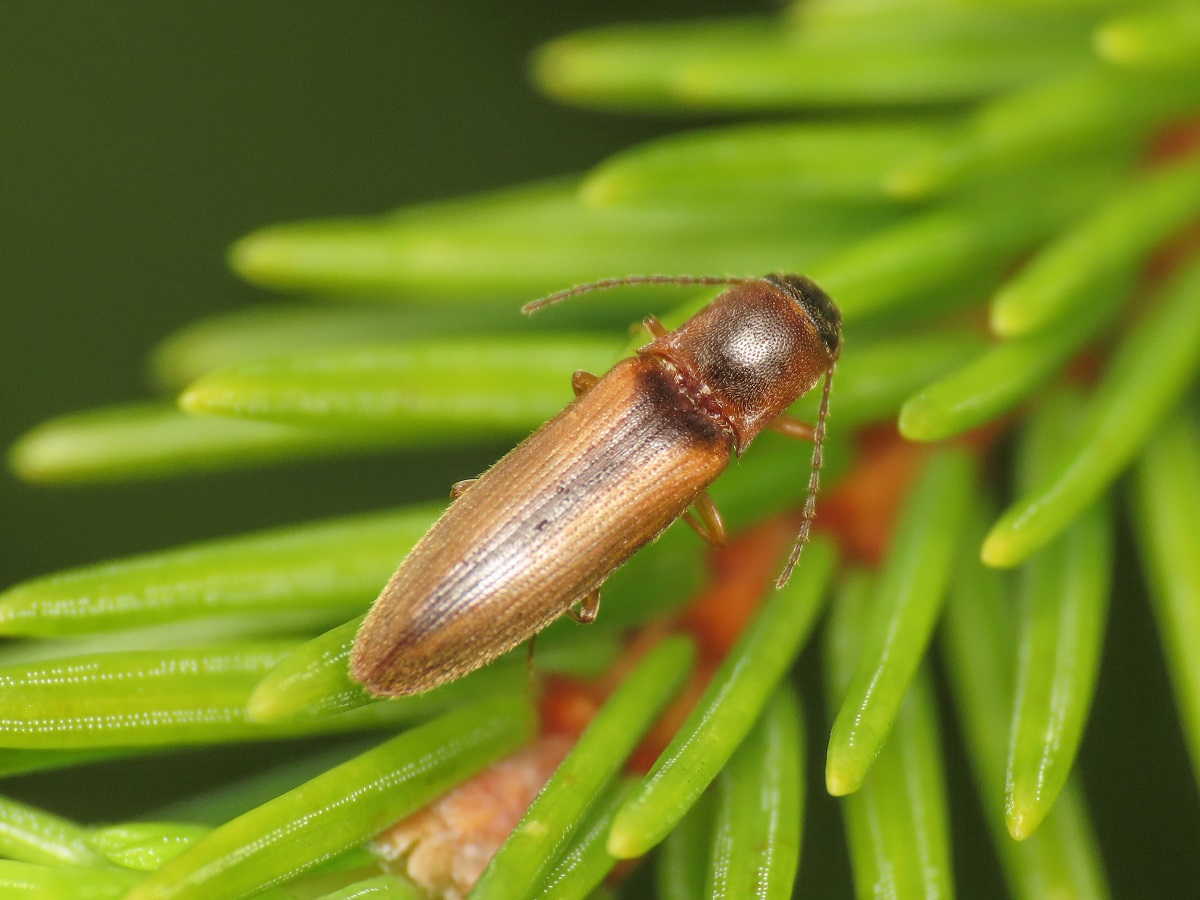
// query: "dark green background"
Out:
[138,139]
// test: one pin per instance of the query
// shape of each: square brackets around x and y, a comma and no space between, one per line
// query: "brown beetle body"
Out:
[543,528]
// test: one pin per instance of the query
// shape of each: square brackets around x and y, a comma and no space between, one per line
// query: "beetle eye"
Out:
[815,304]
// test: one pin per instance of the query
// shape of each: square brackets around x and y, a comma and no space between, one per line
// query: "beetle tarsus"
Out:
[582,382]
[461,487]
[585,613]
[706,521]
[790,426]
[656,328]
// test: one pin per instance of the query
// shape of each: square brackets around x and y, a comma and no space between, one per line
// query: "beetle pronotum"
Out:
[537,534]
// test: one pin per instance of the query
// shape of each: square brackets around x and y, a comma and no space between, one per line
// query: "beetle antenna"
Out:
[551,299]
[814,484]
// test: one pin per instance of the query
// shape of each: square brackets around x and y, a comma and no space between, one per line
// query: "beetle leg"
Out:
[792,427]
[461,487]
[582,382]
[706,520]
[529,661]
[588,607]
[656,328]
